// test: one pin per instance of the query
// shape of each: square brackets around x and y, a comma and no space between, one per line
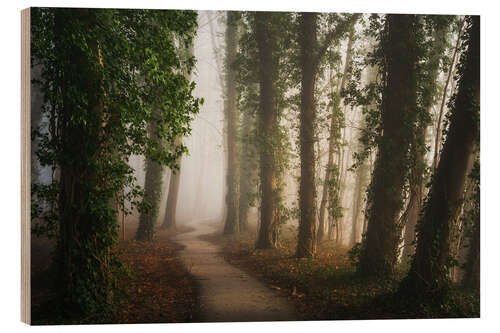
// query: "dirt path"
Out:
[226,292]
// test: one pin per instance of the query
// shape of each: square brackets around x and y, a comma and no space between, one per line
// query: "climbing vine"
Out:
[103,73]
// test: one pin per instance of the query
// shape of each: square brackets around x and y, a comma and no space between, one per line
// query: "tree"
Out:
[471,278]
[247,167]
[437,139]
[428,88]
[152,190]
[231,225]
[332,140]
[169,221]
[311,53]
[428,276]
[96,107]
[399,52]
[267,123]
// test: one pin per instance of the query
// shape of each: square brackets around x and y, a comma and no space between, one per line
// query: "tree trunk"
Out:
[268,125]
[472,279]
[418,145]
[416,194]
[169,221]
[79,253]
[332,139]
[152,194]
[379,255]
[437,139]
[231,225]
[360,183]
[362,175]
[247,172]
[428,275]
[306,246]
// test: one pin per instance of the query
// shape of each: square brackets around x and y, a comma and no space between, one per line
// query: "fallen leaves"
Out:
[160,289]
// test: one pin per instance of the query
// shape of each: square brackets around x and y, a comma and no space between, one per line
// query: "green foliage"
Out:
[103,72]
[246,69]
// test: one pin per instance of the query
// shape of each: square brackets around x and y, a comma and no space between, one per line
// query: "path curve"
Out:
[227,293]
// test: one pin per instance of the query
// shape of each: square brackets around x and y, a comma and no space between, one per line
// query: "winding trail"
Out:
[226,292]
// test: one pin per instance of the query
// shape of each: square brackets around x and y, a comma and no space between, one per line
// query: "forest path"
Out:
[226,292]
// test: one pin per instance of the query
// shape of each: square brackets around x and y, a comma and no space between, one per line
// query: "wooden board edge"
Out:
[25,167]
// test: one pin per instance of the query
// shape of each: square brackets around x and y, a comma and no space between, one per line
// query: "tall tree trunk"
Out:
[379,255]
[152,194]
[268,125]
[418,145]
[363,171]
[437,139]
[331,139]
[247,172]
[306,246]
[360,183]
[428,275]
[231,225]
[311,53]
[416,194]
[77,247]
[472,279]
[169,221]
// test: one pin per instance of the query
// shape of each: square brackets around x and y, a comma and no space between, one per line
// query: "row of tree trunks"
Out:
[311,53]
[331,140]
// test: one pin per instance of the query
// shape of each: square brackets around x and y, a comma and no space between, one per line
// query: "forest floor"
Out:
[227,293]
[159,289]
[326,287]
[155,287]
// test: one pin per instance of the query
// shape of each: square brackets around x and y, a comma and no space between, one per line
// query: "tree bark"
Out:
[472,275]
[362,175]
[247,172]
[306,246]
[428,275]
[268,125]
[231,225]
[379,255]
[152,193]
[169,221]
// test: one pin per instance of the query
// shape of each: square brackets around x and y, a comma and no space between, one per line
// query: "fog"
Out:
[202,181]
